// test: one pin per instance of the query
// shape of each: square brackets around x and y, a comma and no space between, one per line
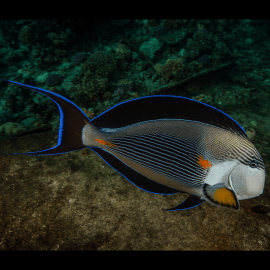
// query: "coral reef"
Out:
[53,79]
[123,51]
[99,64]
[25,35]
[171,67]
[42,77]
[150,47]
[10,128]
[79,58]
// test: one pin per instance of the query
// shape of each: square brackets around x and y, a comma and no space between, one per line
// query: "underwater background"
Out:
[100,63]
[97,64]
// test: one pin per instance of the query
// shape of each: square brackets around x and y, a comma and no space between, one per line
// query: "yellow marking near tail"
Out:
[204,162]
[105,143]
[225,196]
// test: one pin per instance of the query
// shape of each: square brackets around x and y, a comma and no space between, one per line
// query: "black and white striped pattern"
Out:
[225,146]
[159,148]
[167,155]
[171,148]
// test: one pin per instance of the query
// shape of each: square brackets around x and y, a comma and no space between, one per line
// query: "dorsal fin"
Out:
[165,107]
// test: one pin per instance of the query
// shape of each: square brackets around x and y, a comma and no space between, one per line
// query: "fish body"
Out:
[165,145]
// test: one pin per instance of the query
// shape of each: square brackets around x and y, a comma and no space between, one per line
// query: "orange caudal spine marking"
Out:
[105,143]
[204,162]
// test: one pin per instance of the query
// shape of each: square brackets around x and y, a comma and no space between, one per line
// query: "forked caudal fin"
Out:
[72,121]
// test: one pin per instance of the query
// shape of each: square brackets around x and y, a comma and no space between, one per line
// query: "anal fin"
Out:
[190,202]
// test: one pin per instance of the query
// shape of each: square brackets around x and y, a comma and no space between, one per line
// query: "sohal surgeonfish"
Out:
[166,144]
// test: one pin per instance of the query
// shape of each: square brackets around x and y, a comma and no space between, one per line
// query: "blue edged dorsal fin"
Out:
[72,121]
[220,195]
[165,107]
[191,202]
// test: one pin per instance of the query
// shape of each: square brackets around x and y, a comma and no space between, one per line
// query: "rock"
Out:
[11,128]
[106,95]
[251,133]
[253,123]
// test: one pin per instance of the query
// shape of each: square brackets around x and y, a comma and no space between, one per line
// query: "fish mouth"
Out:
[242,196]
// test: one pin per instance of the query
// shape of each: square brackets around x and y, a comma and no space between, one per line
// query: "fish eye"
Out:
[253,163]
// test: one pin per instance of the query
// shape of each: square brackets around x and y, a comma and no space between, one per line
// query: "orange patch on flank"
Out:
[225,196]
[204,162]
[106,143]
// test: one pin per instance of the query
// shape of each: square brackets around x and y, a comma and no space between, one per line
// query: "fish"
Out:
[166,144]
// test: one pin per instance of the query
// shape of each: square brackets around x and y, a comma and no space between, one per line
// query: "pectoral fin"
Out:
[190,202]
[220,195]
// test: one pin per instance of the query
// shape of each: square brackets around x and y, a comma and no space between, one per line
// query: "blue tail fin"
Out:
[72,121]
